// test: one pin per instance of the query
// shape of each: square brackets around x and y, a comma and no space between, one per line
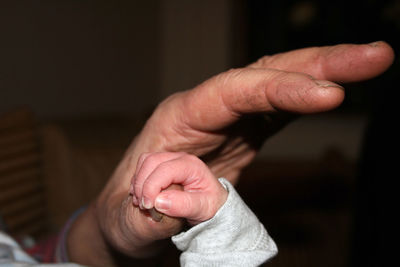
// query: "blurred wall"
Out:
[196,42]
[78,58]
[74,58]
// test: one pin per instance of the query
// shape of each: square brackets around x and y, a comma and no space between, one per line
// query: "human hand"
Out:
[224,121]
[202,194]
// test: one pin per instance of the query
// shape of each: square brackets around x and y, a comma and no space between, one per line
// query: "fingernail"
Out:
[155,215]
[146,203]
[374,44]
[323,83]
[162,203]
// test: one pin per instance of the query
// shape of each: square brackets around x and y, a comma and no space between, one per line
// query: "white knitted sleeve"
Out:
[233,237]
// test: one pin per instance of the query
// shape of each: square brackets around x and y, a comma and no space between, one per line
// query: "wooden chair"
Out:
[22,195]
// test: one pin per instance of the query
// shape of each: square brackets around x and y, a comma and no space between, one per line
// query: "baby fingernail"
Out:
[162,203]
[146,203]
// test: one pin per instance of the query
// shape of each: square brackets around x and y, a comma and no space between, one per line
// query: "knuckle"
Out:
[137,185]
[143,156]
[150,162]
[150,157]
[191,158]
[187,205]
[147,190]
[317,60]
[166,166]
[263,62]
[229,76]
[181,153]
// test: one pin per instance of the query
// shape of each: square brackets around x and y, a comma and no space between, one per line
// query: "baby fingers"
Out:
[147,163]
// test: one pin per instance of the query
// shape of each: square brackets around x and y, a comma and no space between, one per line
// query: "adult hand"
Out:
[225,121]
[216,120]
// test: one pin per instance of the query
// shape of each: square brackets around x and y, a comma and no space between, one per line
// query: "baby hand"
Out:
[202,194]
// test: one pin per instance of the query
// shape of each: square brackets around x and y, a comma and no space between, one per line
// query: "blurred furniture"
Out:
[23,205]
[47,171]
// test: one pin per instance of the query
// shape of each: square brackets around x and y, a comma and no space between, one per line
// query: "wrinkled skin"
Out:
[224,120]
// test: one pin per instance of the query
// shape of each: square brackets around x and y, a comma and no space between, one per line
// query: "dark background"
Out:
[277,26]
[287,25]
